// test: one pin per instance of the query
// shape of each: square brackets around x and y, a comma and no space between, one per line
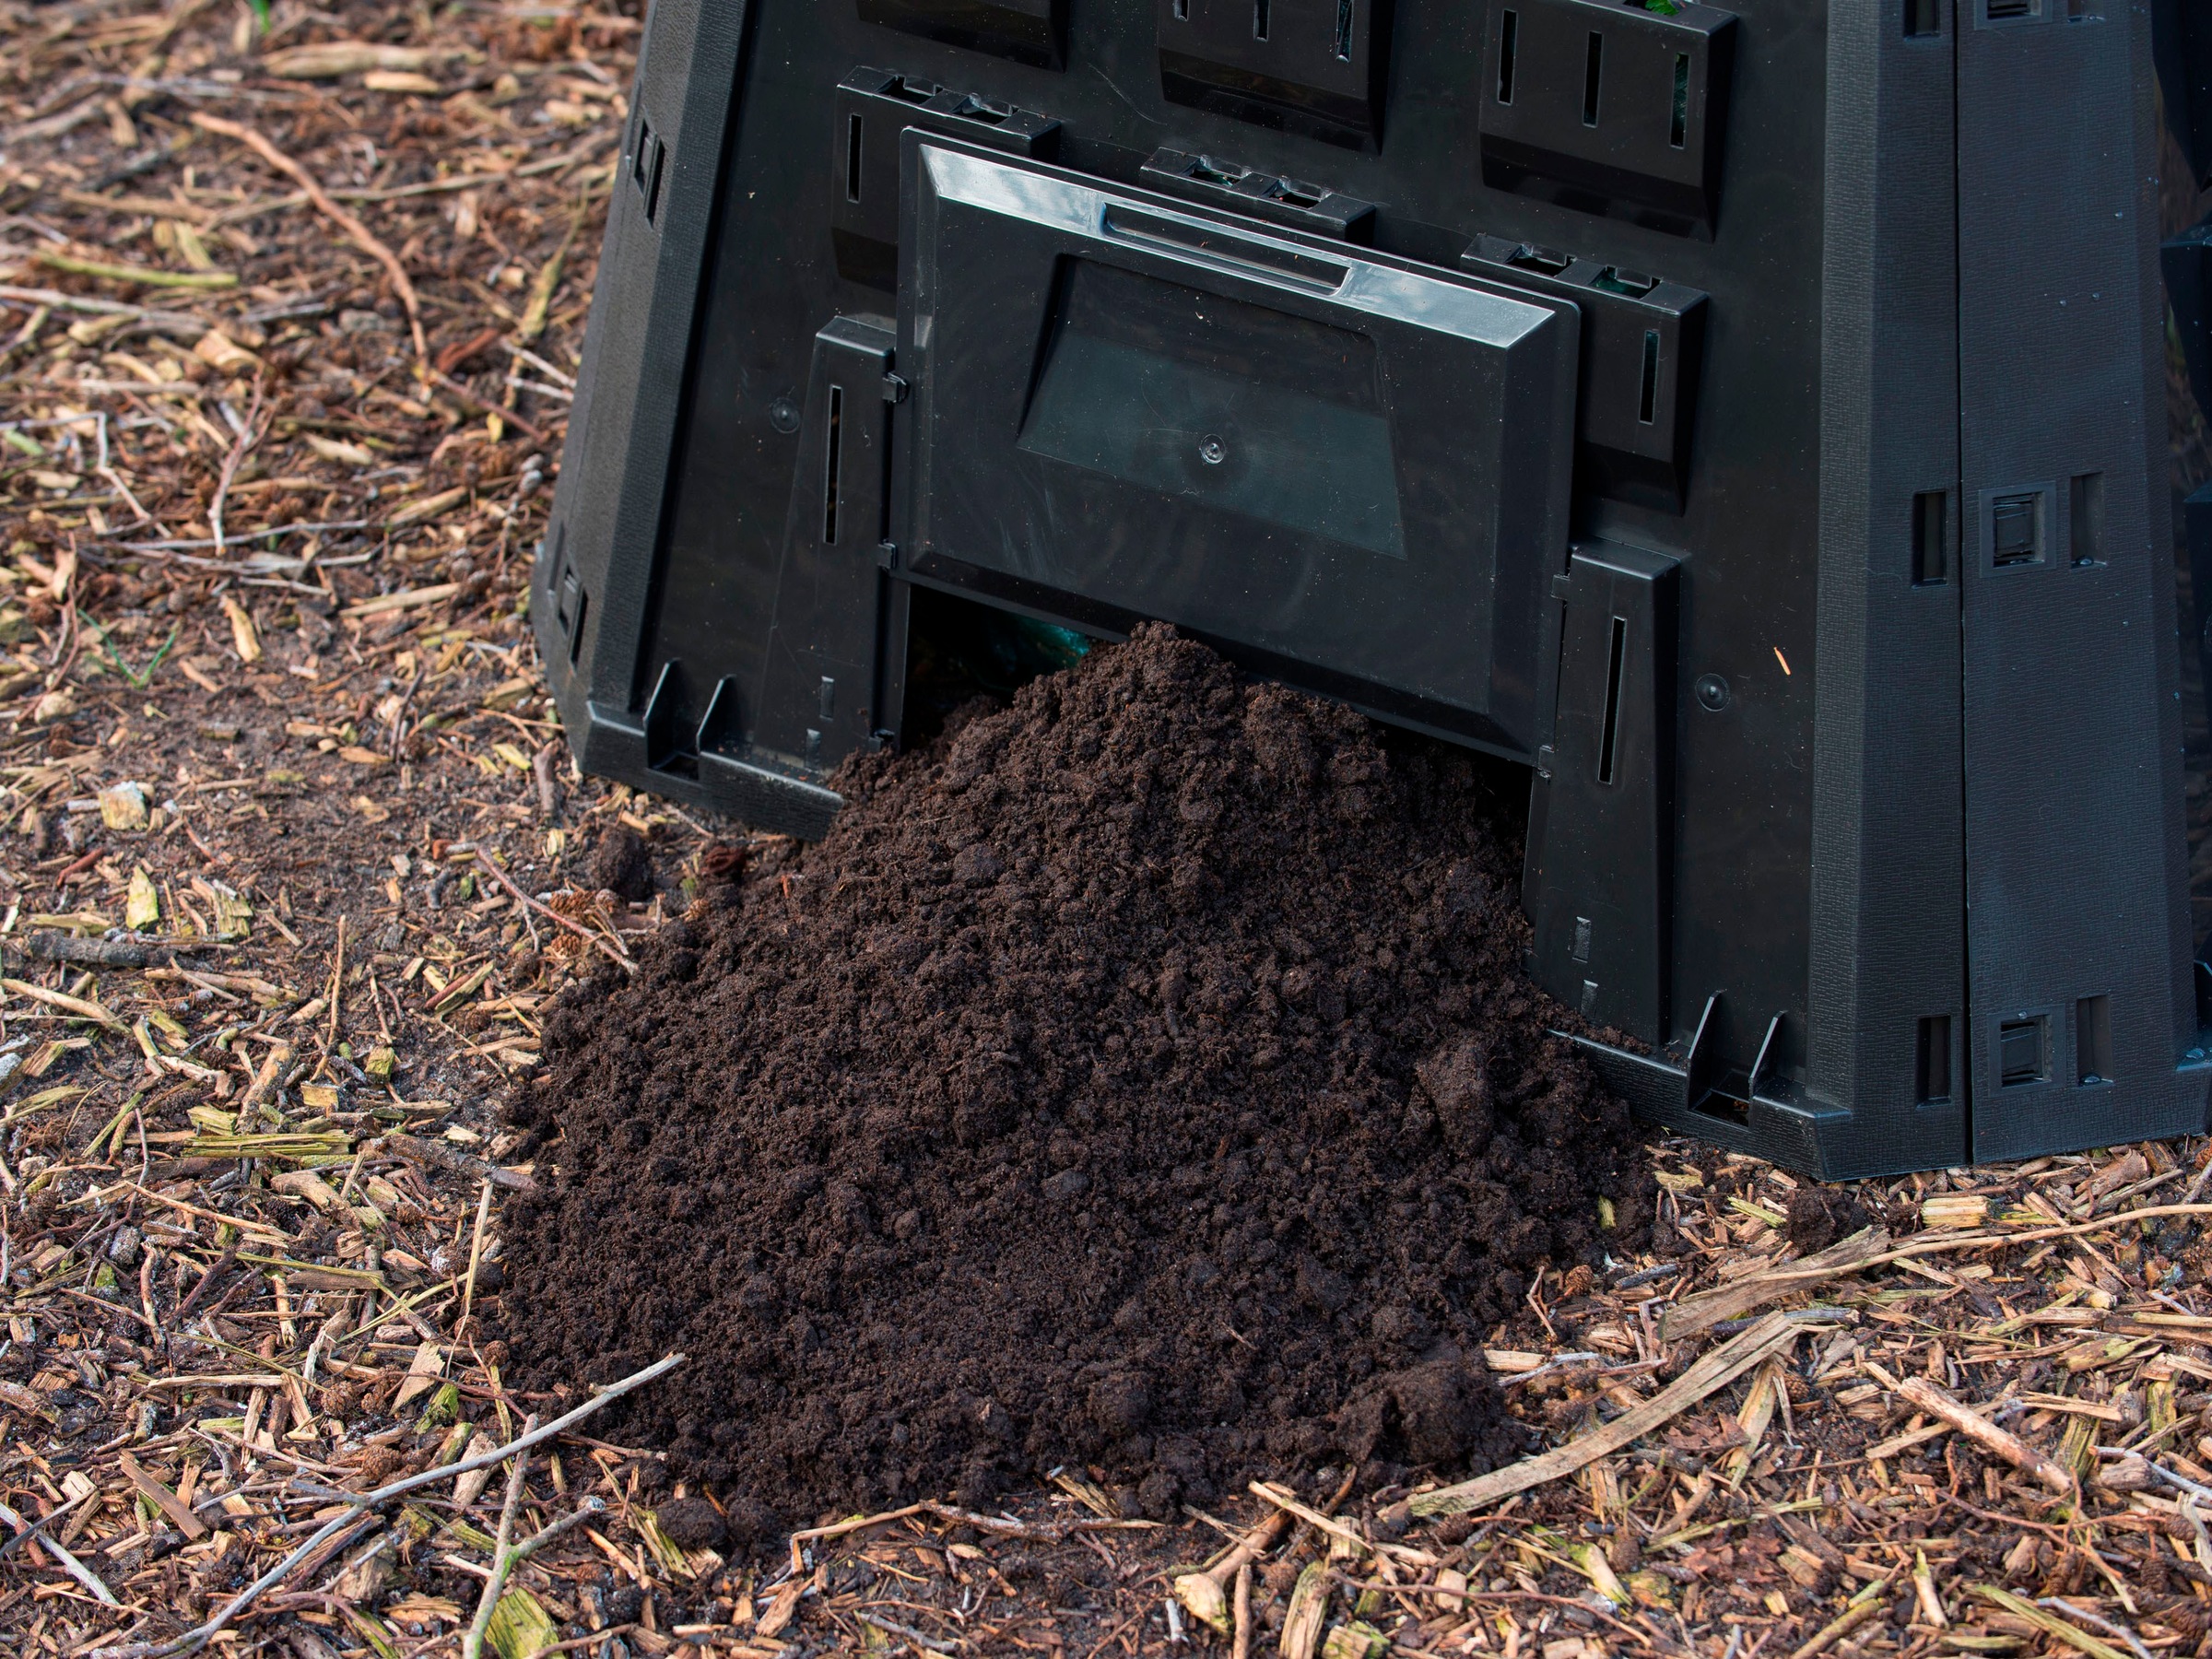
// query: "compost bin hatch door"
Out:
[1354,468]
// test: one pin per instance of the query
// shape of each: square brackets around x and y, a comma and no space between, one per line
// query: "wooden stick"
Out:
[1924,1396]
[1206,1593]
[1771,1334]
[1337,1529]
[264,1084]
[1857,1613]
[69,1004]
[1701,1313]
[162,1498]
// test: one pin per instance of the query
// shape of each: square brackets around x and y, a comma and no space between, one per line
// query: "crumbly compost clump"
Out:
[1141,1077]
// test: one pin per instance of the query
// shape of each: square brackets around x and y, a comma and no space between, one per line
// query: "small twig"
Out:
[248,436]
[399,715]
[70,1564]
[337,992]
[360,234]
[455,388]
[123,490]
[2196,1187]
[1206,1593]
[618,956]
[2102,1623]
[37,1528]
[1924,1396]
[197,1637]
[472,1645]
[2202,1493]
[476,1252]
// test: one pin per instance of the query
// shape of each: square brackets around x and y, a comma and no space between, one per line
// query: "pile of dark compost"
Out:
[1141,1077]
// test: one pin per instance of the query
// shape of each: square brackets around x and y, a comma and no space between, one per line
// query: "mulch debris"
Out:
[290,317]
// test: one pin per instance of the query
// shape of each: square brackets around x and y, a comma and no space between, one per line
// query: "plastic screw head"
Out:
[1212,450]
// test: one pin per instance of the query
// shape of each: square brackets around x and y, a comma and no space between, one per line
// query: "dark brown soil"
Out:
[1140,1077]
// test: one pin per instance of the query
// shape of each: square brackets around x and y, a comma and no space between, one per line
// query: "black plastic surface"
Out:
[1643,341]
[1609,108]
[1828,340]
[1125,410]
[1028,32]
[1316,67]
[874,108]
[1601,818]
[1266,196]
[2187,264]
[2185,59]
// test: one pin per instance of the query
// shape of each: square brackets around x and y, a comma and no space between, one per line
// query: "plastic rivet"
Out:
[1212,450]
[783,415]
[1713,692]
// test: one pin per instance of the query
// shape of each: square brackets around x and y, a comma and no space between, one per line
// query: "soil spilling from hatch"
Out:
[1140,1077]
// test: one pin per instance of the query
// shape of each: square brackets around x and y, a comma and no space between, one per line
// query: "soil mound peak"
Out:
[1140,1077]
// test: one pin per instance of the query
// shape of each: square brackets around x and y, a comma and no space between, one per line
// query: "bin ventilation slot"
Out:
[1306,66]
[1614,280]
[831,466]
[1611,107]
[1931,539]
[645,167]
[2023,1050]
[874,107]
[2016,530]
[2087,515]
[2093,1040]
[1641,343]
[1610,743]
[1923,17]
[1932,1064]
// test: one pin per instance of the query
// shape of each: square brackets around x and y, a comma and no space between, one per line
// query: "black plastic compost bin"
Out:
[1768,427]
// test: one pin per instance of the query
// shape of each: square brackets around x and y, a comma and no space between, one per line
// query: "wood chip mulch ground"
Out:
[291,310]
